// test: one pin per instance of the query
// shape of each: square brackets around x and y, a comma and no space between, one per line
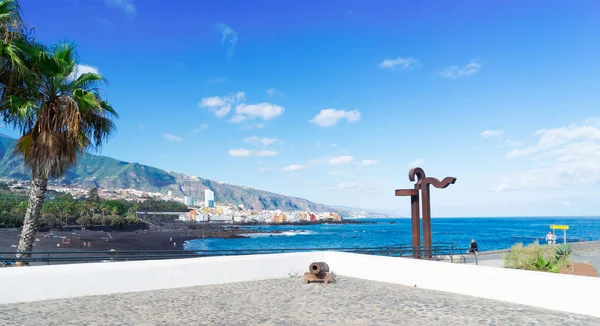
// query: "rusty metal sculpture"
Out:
[318,272]
[422,184]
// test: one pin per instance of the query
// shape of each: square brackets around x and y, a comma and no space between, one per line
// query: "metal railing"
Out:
[440,251]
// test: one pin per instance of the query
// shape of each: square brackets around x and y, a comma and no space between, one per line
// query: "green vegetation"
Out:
[535,257]
[63,209]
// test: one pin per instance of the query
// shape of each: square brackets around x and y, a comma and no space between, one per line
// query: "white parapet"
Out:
[522,287]
[537,289]
[23,284]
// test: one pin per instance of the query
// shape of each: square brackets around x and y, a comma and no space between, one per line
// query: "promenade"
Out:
[285,301]
[590,256]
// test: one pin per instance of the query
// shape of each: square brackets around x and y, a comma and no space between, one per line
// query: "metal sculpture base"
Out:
[309,277]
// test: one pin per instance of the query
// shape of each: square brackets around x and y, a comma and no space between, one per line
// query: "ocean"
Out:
[490,233]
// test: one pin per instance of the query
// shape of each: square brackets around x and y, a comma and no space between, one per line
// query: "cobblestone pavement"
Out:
[287,301]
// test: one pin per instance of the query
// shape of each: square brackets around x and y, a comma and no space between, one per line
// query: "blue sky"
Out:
[335,101]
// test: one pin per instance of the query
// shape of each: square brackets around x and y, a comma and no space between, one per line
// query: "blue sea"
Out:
[490,233]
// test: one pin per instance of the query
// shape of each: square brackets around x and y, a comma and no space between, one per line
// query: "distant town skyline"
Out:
[334,102]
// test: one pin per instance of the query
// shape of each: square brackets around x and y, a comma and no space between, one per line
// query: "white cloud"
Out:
[512,143]
[265,111]
[330,117]
[265,169]
[171,137]
[273,92]
[265,141]
[221,112]
[261,143]
[562,157]
[403,63]
[250,126]
[576,137]
[416,163]
[367,185]
[79,70]
[125,5]
[341,160]
[294,167]
[221,105]
[337,172]
[368,162]
[346,185]
[200,128]
[237,119]
[492,133]
[228,33]
[266,153]
[213,101]
[458,72]
[240,152]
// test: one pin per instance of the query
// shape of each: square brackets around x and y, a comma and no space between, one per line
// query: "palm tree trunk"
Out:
[39,184]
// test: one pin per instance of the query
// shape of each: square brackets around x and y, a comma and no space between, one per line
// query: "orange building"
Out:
[193,214]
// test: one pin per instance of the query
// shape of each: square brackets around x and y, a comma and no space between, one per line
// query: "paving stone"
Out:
[287,301]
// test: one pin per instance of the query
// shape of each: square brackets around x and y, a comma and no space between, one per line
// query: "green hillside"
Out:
[106,172]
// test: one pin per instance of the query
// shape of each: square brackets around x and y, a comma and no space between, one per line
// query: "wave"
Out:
[278,234]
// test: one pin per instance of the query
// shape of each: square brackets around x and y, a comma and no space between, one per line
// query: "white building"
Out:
[188,200]
[209,198]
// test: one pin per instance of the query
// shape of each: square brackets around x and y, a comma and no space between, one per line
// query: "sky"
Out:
[335,101]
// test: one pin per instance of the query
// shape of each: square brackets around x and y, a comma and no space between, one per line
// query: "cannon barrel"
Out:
[318,268]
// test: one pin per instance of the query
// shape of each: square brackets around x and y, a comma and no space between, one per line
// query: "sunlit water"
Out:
[490,233]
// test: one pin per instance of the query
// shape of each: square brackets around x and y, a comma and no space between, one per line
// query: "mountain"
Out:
[106,172]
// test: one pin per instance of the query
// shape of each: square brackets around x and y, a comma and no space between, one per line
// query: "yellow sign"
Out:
[559,227]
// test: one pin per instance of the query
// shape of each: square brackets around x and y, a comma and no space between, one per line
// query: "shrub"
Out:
[562,251]
[538,258]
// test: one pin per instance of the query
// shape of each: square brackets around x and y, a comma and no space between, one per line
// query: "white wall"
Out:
[22,284]
[545,290]
[523,287]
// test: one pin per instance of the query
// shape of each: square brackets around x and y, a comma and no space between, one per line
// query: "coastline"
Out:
[171,236]
[167,239]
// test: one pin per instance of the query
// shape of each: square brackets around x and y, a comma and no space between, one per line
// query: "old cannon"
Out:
[318,272]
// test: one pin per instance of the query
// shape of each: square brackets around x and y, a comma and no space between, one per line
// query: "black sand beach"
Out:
[169,239]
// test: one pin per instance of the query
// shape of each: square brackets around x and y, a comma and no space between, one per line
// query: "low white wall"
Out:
[22,284]
[545,290]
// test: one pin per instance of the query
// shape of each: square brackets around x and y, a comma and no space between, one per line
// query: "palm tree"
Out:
[61,115]
[16,43]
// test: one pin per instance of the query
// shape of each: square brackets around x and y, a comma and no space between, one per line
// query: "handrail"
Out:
[400,246]
[400,250]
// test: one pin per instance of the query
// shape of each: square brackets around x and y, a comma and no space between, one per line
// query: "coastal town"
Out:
[207,210]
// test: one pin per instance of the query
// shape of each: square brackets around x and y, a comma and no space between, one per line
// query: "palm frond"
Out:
[10,12]
[88,81]
[60,116]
